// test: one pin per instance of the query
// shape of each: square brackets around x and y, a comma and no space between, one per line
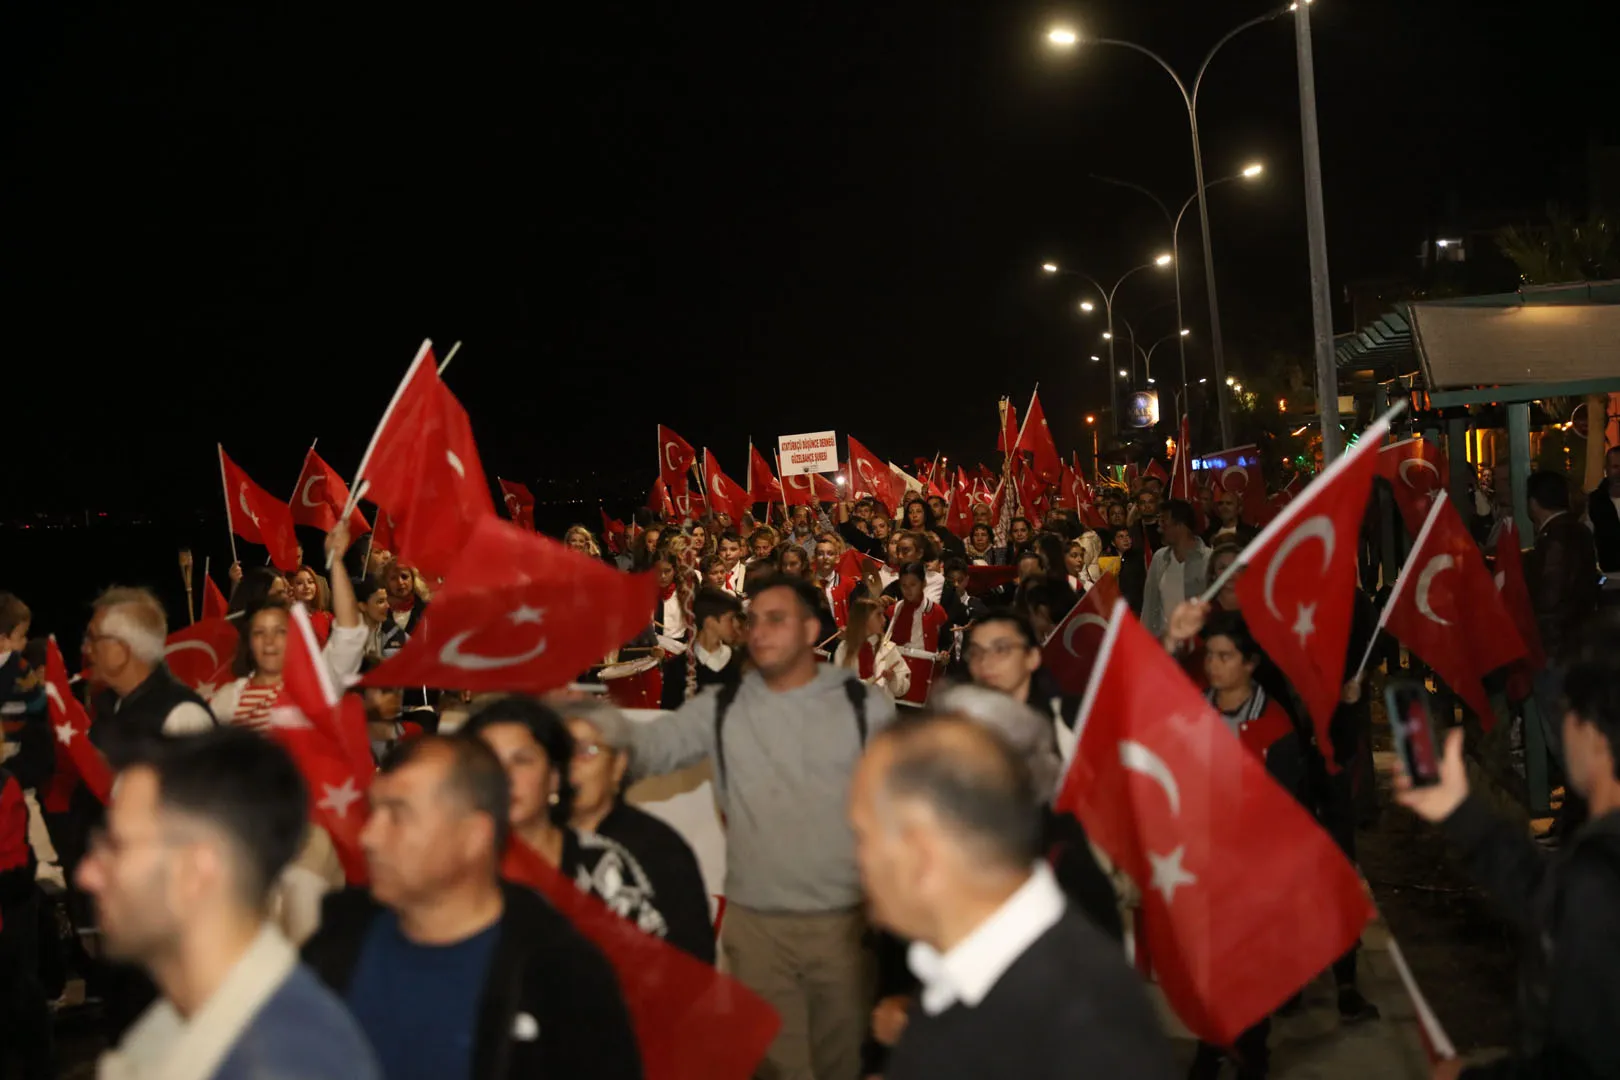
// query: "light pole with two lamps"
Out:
[1159,261]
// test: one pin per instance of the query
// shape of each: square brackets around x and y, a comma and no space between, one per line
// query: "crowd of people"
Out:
[885,743]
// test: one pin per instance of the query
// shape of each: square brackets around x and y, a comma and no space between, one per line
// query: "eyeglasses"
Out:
[997,649]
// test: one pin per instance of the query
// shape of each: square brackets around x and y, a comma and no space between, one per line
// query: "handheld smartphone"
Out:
[1411,722]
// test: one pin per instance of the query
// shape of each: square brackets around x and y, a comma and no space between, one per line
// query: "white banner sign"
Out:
[813,452]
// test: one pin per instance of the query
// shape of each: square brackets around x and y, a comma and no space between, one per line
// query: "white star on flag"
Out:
[526,614]
[1168,873]
[65,733]
[1305,625]
[338,799]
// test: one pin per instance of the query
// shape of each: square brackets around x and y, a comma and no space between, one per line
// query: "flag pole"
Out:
[225,486]
[781,482]
[449,356]
[1396,589]
[190,613]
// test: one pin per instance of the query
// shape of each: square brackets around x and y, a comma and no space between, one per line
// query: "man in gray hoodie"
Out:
[784,744]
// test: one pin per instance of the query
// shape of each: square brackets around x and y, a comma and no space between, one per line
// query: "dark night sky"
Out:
[236,224]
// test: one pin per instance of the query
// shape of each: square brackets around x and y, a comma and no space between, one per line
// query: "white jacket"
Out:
[345,648]
[889,668]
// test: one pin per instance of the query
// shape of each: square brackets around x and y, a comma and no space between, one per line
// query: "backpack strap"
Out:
[856,691]
[723,699]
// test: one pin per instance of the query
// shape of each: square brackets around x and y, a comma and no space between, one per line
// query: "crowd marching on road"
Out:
[999,762]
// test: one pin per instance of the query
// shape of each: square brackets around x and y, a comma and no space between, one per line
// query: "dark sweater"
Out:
[676,884]
[1068,1007]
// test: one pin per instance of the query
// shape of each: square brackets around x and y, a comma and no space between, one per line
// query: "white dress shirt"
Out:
[674,617]
[968,973]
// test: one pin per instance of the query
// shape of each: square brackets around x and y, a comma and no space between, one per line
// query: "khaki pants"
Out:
[816,972]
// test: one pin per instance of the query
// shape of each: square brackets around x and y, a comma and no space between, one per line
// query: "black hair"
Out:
[733,538]
[1230,624]
[253,590]
[369,585]
[549,732]
[244,785]
[476,777]
[712,603]
[930,520]
[1008,617]
[1590,687]
[1179,511]
[808,595]
[955,565]
[1549,490]
[1017,519]
[972,779]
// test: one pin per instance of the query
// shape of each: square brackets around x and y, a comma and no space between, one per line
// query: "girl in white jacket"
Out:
[867,652]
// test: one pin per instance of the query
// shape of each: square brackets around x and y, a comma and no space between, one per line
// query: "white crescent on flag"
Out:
[303,492]
[1418,463]
[455,463]
[241,498]
[1075,624]
[1320,528]
[1138,758]
[1425,581]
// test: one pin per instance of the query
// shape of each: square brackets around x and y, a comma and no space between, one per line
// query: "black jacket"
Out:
[1562,574]
[1605,523]
[1069,1006]
[541,966]
[1567,907]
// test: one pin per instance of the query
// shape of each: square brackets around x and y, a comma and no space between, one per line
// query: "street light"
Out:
[1087,306]
[1185,332]
[1095,358]
[1066,37]
[1249,172]
[1050,268]
[1108,295]
[1163,260]
[1108,335]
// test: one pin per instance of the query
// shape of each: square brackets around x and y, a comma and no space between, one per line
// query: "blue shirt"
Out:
[418,1004]
[302,1032]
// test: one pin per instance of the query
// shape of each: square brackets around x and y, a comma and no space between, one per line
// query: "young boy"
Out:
[23,711]
[731,551]
[718,660]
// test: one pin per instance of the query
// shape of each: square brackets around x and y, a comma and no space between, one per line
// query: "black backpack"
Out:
[854,689]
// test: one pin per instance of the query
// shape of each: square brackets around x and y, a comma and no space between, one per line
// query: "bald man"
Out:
[1014,982]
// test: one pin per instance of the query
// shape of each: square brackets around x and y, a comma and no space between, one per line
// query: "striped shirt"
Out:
[253,706]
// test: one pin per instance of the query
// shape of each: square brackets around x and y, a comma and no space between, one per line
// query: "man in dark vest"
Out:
[142,701]
[1014,981]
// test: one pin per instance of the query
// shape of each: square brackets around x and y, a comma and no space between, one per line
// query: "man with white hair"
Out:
[143,702]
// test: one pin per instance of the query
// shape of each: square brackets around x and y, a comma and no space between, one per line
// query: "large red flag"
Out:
[1416,469]
[1036,438]
[71,726]
[725,495]
[762,485]
[799,489]
[1244,898]
[675,460]
[1445,608]
[1071,650]
[691,1021]
[959,508]
[1515,591]
[519,612]
[1297,590]
[868,475]
[422,467]
[1237,470]
[382,534]
[326,737]
[320,496]
[519,502]
[200,655]
[258,516]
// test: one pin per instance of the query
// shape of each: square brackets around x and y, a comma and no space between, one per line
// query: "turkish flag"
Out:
[382,534]
[1515,593]
[691,1021]
[1416,469]
[658,500]
[258,516]
[855,565]
[762,485]
[71,726]
[612,533]
[422,468]
[1244,898]
[200,655]
[519,502]
[675,460]
[1155,471]
[519,612]
[868,475]
[985,579]
[959,509]
[1297,590]
[1445,608]
[1036,438]
[799,489]
[1181,478]
[320,497]
[214,605]
[725,495]
[1071,650]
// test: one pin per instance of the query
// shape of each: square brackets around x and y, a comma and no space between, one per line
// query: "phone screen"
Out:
[1411,723]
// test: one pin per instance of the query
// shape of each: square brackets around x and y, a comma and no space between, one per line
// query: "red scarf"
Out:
[669,591]
[933,621]
[407,604]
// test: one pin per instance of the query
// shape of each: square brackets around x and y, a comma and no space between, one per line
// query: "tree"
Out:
[1561,250]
